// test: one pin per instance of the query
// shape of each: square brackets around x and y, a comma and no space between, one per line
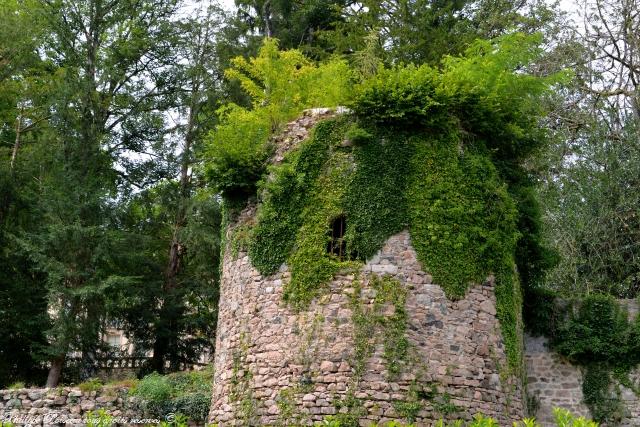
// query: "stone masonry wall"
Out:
[66,406]
[272,363]
[554,382]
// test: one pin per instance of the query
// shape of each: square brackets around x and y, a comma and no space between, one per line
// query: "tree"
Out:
[111,57]
[25,81]
[423,31]
[198,90]
[589,190]
[298,25]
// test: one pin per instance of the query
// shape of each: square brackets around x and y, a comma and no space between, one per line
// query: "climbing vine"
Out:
[373,323]
[439,152]
[240,392]
[462,220]
[595,333]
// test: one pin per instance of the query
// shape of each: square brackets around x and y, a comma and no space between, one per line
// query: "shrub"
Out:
[193,405]
[187,393]
[564,418]
[238,151]
[17,385]
[599,332]
[93,384]
[281,85]
[154,387]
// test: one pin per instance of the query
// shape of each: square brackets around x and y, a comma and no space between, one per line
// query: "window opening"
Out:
[337,245]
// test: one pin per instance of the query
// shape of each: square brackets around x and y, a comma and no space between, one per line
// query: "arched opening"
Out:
[337,245]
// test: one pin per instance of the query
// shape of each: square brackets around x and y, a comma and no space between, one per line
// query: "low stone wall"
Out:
[552,381]
[274,364]
[67,406]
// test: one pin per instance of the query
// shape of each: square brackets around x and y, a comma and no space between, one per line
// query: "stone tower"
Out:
[381,342]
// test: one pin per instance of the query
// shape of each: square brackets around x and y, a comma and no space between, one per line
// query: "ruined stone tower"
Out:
[380,341]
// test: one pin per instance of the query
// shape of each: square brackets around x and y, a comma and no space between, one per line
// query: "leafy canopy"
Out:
[280,84]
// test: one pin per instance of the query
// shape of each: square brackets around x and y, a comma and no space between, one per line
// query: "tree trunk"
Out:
[266,14]
[159,349]
[55,371]
[166,333]
[16,144]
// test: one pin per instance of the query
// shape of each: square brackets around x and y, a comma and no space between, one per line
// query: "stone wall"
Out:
[551,381]
[272,363]
[554,382]
[67,406]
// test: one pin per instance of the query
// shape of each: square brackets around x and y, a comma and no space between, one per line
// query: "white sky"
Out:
[228,4]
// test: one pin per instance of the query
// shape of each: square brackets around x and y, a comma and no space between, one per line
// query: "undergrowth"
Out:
[187,393]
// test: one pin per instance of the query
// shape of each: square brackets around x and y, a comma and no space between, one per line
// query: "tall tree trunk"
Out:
[16,144]
[166,330]
[55,371]
[266,14]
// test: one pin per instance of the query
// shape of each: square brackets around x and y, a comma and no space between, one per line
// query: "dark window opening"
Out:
[337,245]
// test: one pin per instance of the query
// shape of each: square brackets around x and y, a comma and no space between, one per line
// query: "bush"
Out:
[17,385]
[194,405]
[281,85]
[154,388]
[93,384]
[187,393]
[238,151]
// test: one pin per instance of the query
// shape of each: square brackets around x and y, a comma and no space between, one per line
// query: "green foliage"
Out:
[455,180]
[154,388]
[376,200]
[462,217]
[591,211]
[16,385]
[394,326]
[598,332]
[284,198]
[101,419]
[241,393]
[604,404]
[405,95]
[476,89]
[310,264]
[93,384]
[562,417]
[238,151]
[481,421]
[187,393]
[423,395]
[179,420]
[388,292]
[350,410]
[280,84]
[357,135]
[593,332]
